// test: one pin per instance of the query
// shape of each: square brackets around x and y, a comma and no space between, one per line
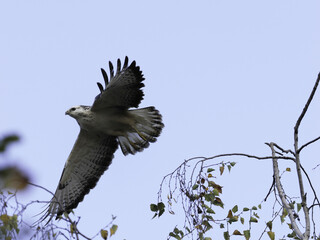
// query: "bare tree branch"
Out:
[297,156]
[283,195]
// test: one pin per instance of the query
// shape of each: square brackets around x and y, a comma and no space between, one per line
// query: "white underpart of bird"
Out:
[109,122]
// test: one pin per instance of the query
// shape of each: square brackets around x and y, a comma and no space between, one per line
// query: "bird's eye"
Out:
[73,109]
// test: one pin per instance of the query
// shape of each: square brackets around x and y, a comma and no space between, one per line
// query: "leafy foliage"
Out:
[195,184]
[11,176]
[6,141]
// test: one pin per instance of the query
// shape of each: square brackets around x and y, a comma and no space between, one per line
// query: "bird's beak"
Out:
[67,112]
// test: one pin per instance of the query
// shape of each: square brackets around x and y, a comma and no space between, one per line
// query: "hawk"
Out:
[109,122]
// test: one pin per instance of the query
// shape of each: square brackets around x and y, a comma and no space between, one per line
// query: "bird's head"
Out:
[78,111]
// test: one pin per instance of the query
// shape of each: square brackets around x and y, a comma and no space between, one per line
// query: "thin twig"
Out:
[313,205]
[270,190]
[265,229]
[310,183]
[316,166]
[304,145]
[74,224]
[307,104]
[285,151]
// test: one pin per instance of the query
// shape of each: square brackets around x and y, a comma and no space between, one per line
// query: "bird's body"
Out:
[103,126]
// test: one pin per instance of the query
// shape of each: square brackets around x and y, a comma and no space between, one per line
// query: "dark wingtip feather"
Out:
[118,65]
[133,64]
[105,77]
[111,70]
[100,87]
[125,64]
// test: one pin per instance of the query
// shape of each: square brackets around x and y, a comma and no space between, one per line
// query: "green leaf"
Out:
[161,206]
[271,235]
[291,205]
[259,206]
[171,234]
[217,202]
[207,238]
[209,210]
[161,212]
[209,197]
[198,227]
[230,215]
[269,225]
[232,164]
[153,207]
[104,234]
[284,212]
[254,208]
[233,219]
[299,206]
[226,235]
[72,228]
[236,232]
[7,141]
[178,233]
[5,219]
[221,225]
[288,169]
[229,168]
[215,186]
[242,220]
[215,192]
[289,225]
[195,187]
[254,220]
[174,235]
[292,235]
[235,209]
[246,234]
[207,225]
[113,229]
[221,169]
[210,170]
[246,209]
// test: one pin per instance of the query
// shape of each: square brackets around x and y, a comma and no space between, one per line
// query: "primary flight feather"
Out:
[103,126]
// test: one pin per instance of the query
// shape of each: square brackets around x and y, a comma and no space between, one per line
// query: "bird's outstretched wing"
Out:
[124,88]
[90,157]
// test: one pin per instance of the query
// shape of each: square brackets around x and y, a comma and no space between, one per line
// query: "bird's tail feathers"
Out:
[147,127]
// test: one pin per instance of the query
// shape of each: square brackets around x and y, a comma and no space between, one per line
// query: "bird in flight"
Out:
[109,122]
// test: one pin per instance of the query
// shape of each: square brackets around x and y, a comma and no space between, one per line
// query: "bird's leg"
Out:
[140,134]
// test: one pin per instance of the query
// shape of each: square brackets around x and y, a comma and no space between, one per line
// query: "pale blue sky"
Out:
[227,76]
